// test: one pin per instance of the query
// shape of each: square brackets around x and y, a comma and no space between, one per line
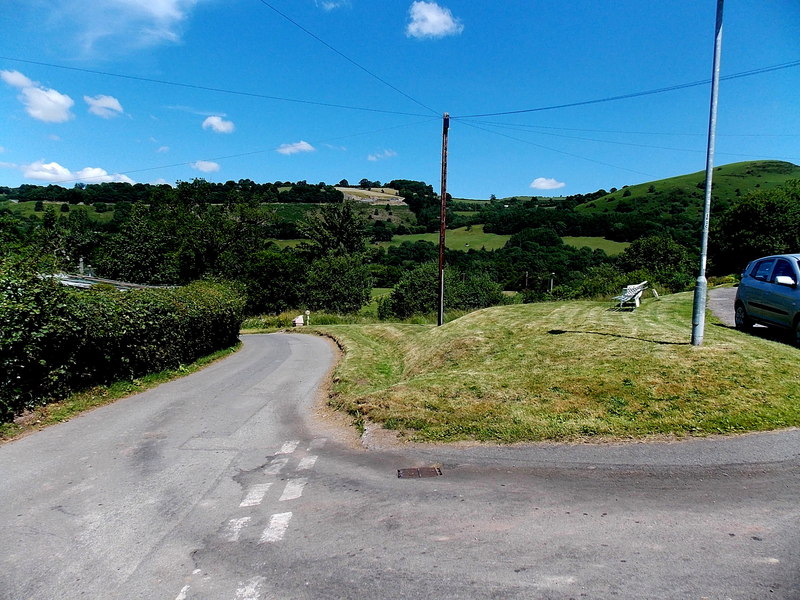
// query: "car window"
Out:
[783,267]
[762,269]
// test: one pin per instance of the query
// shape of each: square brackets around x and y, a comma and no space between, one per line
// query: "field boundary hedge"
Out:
[54,340]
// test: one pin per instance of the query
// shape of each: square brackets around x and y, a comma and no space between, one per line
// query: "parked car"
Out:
[769,294]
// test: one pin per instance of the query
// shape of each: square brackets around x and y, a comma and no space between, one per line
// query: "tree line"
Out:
[181,234]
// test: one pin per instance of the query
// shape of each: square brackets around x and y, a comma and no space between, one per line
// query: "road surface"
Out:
[229,484]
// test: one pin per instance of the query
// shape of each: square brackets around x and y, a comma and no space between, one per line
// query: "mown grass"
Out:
[565,371]
[58,412]
[610,247]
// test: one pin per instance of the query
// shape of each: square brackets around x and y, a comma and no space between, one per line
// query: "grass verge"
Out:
[64,410]
[565,371]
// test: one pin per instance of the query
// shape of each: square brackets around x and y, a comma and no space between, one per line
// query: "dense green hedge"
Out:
[54,340]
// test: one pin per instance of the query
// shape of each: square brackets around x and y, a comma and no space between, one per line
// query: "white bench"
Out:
[631,294]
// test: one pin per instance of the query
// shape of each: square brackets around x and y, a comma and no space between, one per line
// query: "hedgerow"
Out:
[54,340]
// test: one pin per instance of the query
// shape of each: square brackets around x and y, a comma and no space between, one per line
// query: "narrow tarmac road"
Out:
[230,484]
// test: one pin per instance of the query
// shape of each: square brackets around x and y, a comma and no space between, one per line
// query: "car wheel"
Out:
[796,329]
[742,319]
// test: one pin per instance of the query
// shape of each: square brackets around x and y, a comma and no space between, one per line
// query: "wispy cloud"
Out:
[329,5]
[106,107]
[206,166]
[382,155]
[120,25]
[547,183]
[54,173]
[41,103]
[218,124]
[429,20]
[295,148]
[162,149]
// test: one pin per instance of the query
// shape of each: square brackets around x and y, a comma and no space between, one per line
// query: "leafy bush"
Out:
[54,340]
[417,293]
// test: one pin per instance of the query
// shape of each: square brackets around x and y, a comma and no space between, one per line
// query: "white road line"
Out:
[275,466]
[250,589]
[293,489]
[256,494]
[278,524]
[307,463]
[182,595]
[289,447]
[317,444]
[235,527]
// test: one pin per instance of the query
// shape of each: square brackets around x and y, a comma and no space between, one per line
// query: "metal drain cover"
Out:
[418,472]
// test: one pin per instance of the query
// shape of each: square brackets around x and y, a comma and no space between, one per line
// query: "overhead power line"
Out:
[209,88]
[516,139]
[671,88]
[347,58]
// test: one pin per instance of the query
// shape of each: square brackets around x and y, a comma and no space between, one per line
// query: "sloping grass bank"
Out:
[565,371]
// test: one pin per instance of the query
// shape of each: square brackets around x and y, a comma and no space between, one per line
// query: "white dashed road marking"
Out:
[307,463]
[256,494]
[275,466]
[249,589]
[293,489]
[277,528]
[235,527]
[182,595]
[289,447]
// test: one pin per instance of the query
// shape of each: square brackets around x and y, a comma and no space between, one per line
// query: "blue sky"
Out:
[336,89]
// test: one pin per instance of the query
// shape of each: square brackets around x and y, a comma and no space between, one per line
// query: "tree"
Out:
[762,223]
[340,284]
[669,263]
[335,228]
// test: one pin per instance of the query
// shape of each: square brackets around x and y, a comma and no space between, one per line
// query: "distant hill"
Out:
[685,193]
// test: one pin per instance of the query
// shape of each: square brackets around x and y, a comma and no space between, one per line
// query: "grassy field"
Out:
[686,191]
[26,209]
[476,238]
[457,239]
[610,247]
[565,371]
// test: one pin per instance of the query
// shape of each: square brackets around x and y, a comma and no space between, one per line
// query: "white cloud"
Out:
[162,149]
[54,137]
[206,166]
[295,148]
[429,20]
[329,5]
[218,124]
[122,25]
[98,175]
[41,103]
[382,155]
[104,106]
[2,149]
[54,173]
[15,79]
[546,183]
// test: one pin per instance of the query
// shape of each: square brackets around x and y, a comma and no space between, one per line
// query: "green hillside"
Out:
[685,193]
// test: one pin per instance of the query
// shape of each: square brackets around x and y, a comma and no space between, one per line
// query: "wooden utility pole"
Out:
[443,216]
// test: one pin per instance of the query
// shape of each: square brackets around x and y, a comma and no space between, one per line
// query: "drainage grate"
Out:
[418,472]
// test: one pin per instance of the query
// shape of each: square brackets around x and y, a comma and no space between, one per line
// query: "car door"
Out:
[758,285]
[781,301]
